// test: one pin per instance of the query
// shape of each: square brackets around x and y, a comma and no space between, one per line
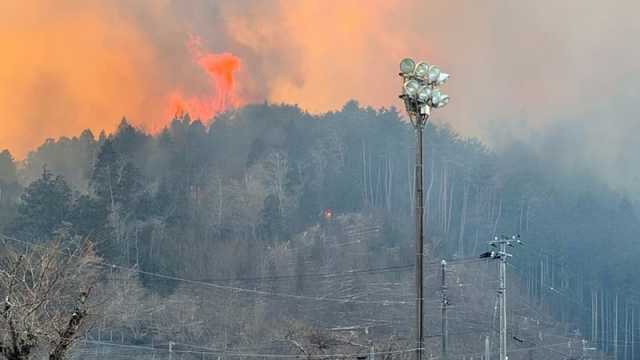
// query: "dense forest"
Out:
[273,230]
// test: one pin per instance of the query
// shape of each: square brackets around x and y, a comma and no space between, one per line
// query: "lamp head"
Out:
[407,66]
[411,88]
[421,70]
[444,100]
[434,73]
[424,93]
[442,78]
[436,95]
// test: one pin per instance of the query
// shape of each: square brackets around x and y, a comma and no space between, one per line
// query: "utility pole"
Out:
[501,243]
[372,351]
[372,348]
[586,350]
[445,302]
[503,301]
[487,348]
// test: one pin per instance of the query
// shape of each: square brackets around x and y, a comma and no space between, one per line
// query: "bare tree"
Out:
[313,343]
[47,296]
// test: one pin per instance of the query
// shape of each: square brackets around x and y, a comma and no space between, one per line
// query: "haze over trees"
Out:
[237,209]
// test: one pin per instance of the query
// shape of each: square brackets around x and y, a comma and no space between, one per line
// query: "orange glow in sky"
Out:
[67,66]
[221,70]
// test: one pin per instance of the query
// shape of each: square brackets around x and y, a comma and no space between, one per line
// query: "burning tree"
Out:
[46,292]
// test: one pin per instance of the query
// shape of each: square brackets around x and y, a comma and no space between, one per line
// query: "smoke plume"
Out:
[518,68]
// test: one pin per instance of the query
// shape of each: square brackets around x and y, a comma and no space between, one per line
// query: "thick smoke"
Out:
[525,68]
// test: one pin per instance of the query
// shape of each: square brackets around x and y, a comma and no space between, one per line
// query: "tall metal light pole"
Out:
[420,93]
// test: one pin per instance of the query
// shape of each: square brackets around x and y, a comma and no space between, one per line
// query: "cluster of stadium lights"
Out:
[421,83]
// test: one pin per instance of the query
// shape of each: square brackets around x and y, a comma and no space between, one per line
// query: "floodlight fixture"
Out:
[421,70]
[444,100]
[407,66]
[424,93]
[436,95]
[442,78]
[411,88]
[434,73]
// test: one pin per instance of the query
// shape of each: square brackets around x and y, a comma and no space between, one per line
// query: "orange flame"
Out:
[220,69]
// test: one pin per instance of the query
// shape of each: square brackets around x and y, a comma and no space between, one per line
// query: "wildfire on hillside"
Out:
[220,69]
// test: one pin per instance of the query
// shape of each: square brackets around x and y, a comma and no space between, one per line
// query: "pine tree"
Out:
[7,168]
[44,206]
[105,173]
[9,188]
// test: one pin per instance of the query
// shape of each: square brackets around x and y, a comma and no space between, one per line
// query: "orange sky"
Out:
[77,64]
[64,73]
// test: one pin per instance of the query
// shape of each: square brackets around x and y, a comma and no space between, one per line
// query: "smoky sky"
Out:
[531,71]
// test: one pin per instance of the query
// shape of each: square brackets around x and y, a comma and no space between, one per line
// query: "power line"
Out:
[396,268]
[546,346]
[254,291]
[322,298]
[232,354]
[399,268]
[329,275]
[261,292]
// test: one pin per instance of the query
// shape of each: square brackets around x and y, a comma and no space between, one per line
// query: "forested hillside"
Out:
[276,231]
